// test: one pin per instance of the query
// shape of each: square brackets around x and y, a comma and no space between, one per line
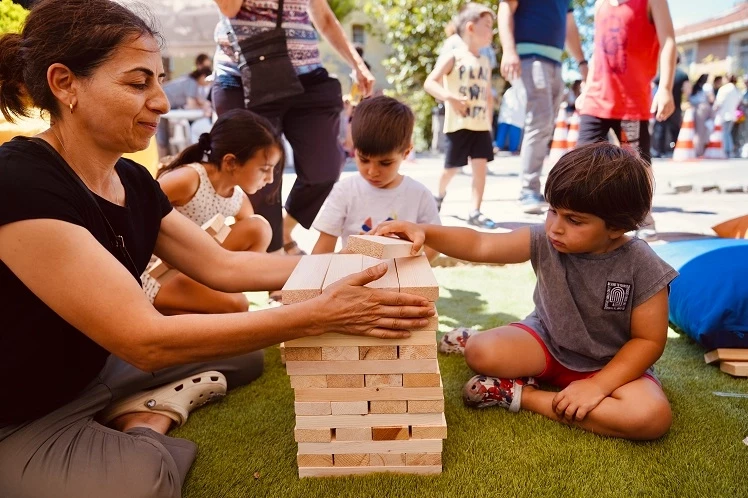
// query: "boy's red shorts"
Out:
[558,375]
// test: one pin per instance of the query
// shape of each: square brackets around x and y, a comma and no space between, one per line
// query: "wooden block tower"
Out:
[366,405]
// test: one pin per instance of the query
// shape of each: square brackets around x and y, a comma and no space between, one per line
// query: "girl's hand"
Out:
[404,230]
[365,80]
[350,308]
[577,400]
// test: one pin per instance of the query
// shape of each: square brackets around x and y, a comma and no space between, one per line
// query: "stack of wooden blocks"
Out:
[731,360]
[364,404]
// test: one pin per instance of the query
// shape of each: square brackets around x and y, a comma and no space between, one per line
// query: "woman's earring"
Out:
[71,108]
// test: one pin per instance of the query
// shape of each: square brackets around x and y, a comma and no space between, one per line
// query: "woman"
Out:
[78,225]
[309,121]
[699,100]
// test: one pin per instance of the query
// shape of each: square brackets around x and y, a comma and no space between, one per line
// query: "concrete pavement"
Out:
[690,197]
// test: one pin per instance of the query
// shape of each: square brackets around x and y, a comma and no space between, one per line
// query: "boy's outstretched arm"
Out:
[463,243]
[325,244]
[649,322]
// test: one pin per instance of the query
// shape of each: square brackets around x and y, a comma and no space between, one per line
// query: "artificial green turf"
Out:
[490,452]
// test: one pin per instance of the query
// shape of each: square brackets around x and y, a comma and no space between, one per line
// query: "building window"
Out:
[743,55]
[358,34]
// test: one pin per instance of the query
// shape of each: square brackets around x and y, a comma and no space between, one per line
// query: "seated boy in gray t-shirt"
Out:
[601,302]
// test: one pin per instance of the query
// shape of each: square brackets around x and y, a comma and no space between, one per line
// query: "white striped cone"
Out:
[573,135]
[559,146]
[715,149]
[684,149]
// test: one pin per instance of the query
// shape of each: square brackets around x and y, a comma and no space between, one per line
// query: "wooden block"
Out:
[438,431]
[349,407]
[726,354]
[384,380]
[305,381]
[389,406]
[306,279]
[358,447]
[390,433]
[423,459]
[362,367]
[417,352]
[377,353]
[735,368]
[379,247]
[224,232]
[333,339]
[371,420]
[369,394]
[421,406]
[312,408]
[422,380]
[335,471]
[341,381]
[351,459]
[314,460]
[416,277]
[384,459]
[282,348]
[353,434]
[339,353]
[214,225]
[303,354]
[389,280]
[312,435]
[342,265]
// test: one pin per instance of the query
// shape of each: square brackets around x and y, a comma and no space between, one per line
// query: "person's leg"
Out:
[182,295]
[727,138]
[507,352]
[501,136]
[447,174]
[250,234]
[638,410]
[539,122]
[479,168]
[658,140]
[593,130]
[311,125]
[515,136]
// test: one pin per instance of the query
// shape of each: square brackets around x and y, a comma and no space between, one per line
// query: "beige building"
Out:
[718,45]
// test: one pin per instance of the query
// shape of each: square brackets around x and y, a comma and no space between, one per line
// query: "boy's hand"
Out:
[577,400]
[460,105]
[404,230]
[662,104]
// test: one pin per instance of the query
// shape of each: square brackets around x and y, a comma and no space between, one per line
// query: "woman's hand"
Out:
[365,80]
[404,230]
[350,308]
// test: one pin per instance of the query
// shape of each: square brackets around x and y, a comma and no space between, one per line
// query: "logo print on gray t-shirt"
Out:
[617,296]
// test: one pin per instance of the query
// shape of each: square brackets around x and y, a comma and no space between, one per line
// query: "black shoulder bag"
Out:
[117,241]
[267,72]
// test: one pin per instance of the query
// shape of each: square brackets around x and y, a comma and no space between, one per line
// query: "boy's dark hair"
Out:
[202,59]
[602,179]
[471,12]
[381,125]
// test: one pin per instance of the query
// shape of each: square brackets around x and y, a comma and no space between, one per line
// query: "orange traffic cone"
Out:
[573,136]
[684,149]
[559,146]
[715,149]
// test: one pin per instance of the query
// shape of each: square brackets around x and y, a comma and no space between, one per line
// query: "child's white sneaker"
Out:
[454,341]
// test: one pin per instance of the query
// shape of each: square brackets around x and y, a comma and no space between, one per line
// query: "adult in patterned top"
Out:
[99,376]
[310,121]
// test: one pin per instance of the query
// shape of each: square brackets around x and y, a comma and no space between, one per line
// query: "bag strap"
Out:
[279,21]
[118,241]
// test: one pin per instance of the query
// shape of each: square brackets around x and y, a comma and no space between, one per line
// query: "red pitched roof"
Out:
[736,14]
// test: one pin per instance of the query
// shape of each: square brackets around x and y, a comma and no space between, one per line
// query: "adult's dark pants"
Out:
[310,121]
[634,134]
[665,133]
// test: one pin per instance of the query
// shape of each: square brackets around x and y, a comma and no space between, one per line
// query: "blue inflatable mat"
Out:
[709,300]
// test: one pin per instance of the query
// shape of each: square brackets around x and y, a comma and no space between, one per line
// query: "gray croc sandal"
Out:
[175,400]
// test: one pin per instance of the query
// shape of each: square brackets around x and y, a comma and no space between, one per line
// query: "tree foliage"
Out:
[12,17]
[342,8]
